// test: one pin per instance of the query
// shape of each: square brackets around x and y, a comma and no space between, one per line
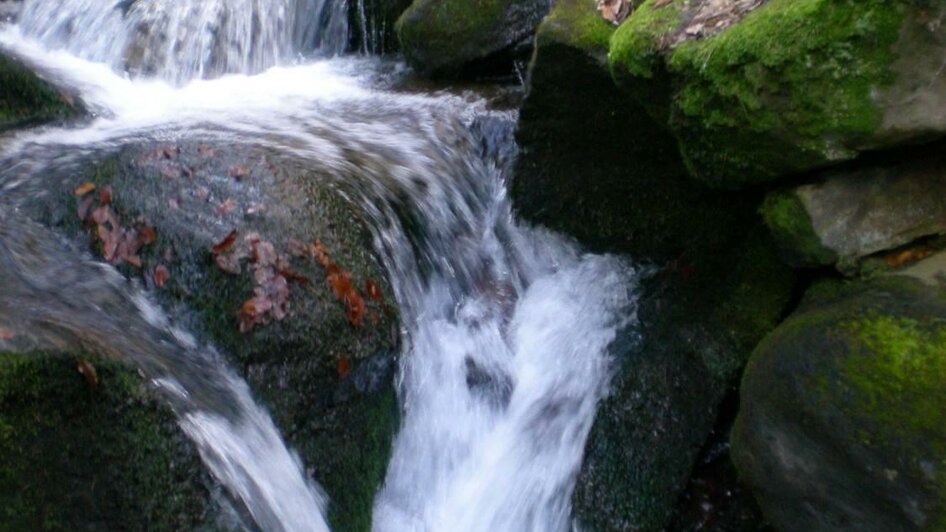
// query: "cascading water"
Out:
[506,328]
[179,40]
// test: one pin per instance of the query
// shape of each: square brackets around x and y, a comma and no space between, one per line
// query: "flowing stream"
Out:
[506,328]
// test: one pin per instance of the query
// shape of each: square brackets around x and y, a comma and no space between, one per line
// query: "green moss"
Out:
[794,74]
[83,457]
[576,23]
[791,226]
[25,99]
[636,45]
[899,378]
[439,34]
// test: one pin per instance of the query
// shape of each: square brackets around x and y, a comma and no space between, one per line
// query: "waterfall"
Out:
[179,40]
[506,328]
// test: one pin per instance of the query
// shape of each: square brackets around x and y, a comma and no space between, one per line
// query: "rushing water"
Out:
[506,328]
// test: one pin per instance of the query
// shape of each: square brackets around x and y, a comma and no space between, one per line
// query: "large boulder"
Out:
[440,37]
[841,420]
[26,99]
[225,234]
[849,215]
[595,165]
[756,90]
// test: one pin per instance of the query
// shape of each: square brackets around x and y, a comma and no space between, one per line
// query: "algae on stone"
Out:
[26,100]
[840,426]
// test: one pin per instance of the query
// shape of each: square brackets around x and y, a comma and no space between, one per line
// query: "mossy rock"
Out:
[90,456]
[840,426]
[328,383]
[595,165]
[26,99]
[846,216]
[790,86]
[440,37]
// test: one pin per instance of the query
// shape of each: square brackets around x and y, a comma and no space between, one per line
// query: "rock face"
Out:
[27,100]
[442,36]
[854,214]
[371,25]
[766,89]
[840,426]
[595,165]
[324,370]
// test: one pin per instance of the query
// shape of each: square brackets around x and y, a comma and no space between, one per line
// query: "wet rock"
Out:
[840,426]
[371,24]
[440,37]
[595,165]
[26,99]
[782,87]
[298,361]
[850,215]
[84,456]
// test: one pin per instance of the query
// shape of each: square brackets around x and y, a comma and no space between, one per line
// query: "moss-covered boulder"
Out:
[92,454]
[440,37]
[322,358]
[26,99]
[849,215]
[758,90]
[841,419]
[595,165]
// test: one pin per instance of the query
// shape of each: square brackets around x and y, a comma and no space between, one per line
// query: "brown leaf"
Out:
[6,334]
[239,171]
[225,244]
[229,263]
[87,370]
[291,275]
[226,207]
[147,235]
[355,308]
[105,195]
[343,366]
[372,290]
[320,253]
[161,275]
[84,188]
[614,11]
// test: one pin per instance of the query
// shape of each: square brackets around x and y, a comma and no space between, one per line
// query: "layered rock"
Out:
[850,215]
[840,425]
[765,89]
[440,37]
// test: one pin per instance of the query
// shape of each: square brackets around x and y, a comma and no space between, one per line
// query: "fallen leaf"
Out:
[614,11]
[374,293]
[84,188]
[6,334]
[225,244]
[239,171]
[343,366]
[87,370]
[161,275]
[296,248]
[226,207]
[355,308]
[320,253]
[105,195]
[147,234]
[291,275]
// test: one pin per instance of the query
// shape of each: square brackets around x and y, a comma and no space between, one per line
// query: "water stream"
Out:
[506,327]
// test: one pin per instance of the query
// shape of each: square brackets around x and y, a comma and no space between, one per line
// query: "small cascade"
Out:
[180,40]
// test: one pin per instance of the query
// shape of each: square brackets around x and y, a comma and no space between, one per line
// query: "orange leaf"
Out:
[147,235]
[343,365]
[84,188]
[88,371]
[320,253]
[356,308]
[374,293]
[225,244]
[161,275]
[105,195]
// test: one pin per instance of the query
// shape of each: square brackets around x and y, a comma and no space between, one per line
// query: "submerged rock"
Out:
[841,424]
[323,367]
[595,165]
[26,99]
[850,215]
[442,36]
[785,86]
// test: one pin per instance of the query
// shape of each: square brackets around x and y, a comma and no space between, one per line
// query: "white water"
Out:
[506,328]
[179,40]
